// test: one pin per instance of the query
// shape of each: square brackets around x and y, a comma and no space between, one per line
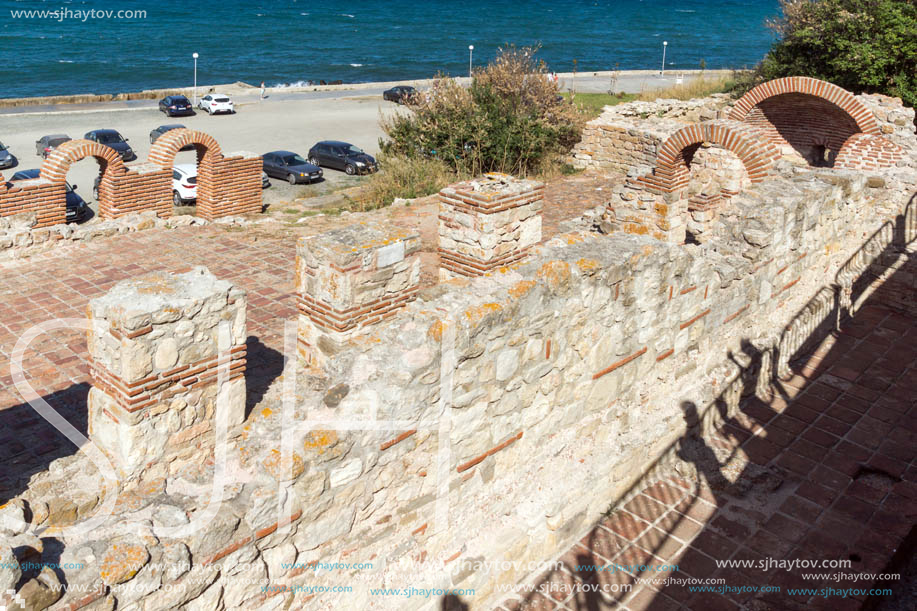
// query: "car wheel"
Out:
[152,139]
[291,179]
[350,170]
[210,110]
[313,160]
[176,198]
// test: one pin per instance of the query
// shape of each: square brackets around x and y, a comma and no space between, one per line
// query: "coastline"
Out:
[240,88]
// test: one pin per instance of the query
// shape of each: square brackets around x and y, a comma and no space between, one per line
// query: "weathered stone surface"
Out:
[122,560]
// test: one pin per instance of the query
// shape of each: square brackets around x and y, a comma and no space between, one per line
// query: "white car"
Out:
[184,183]
[215,103]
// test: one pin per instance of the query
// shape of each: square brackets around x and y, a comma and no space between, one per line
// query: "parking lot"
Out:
[257,126]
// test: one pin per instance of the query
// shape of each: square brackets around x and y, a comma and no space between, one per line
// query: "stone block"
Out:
[349,279]
[487,223]
[168,356]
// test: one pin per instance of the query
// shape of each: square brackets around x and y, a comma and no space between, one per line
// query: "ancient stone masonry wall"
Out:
[227,186]
[156,345]
[487,223]
[349,279]
[419,439]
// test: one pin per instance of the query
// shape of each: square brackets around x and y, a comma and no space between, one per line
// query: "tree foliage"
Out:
[510,119]
[861,45]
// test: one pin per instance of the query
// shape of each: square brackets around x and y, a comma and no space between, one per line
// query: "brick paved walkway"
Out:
[260,259]
[825,470]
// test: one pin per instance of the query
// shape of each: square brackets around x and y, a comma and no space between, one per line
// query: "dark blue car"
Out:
[77,210]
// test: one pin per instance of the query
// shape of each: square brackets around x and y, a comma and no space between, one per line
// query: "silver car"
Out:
[6,158]
[46,144]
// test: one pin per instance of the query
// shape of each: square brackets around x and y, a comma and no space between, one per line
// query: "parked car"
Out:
[399,94]
[342,156]
[77,210]
[291,167]
[156,133]
[184,183]
[112,139]
[175,105]
[46,144]
[6,158]
[265,182]
[215,103]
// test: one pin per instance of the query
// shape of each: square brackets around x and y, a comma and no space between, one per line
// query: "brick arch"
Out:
[811,117]
[57,164]
[209,157]
[674,157]
[843,99]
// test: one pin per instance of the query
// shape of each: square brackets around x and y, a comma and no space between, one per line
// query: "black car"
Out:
[156,133]
[175,105]
[6,158]
[46,144]
[342,156]
[112,139]
[77,210]
[290,167]
[400,94]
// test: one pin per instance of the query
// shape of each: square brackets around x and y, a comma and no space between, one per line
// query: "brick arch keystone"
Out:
[209,158]
[843,99]
[674,157]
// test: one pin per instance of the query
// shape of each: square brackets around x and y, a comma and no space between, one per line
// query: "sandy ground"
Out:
[260,127]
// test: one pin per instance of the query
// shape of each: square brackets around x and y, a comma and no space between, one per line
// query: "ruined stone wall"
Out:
[469,427]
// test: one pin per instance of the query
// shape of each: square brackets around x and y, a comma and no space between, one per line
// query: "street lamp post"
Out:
[194,55]
[470,51]
[665,44]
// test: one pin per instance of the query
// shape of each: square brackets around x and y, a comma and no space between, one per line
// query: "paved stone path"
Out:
[259,258]
[824,470]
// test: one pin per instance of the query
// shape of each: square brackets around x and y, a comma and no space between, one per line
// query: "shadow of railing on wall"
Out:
[738,412]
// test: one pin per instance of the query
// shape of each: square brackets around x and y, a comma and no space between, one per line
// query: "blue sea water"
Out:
[290,41]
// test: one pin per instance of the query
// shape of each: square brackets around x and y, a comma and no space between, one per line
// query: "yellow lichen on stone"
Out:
[478,313]
[436,330]
[555,273]
[587,265]
[320,440]
[521,288]
[121,562]
[284,467]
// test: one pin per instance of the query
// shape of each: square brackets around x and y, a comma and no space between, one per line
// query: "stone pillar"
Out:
[349,279]
[168,360]
[487,223]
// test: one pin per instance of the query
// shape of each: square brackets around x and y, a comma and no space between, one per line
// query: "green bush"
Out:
[861,45]
[511,119]
[407,177]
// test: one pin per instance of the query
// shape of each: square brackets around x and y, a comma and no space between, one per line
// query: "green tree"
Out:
[861,45]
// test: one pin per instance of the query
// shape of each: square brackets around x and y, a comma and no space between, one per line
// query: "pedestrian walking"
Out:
[262,90]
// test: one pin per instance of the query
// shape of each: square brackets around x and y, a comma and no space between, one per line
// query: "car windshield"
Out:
[294,160]
[69,188]
[181,100]
[26,175]
[57,141]
[2,147]
[352,150]
[110,137]
[220,99]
